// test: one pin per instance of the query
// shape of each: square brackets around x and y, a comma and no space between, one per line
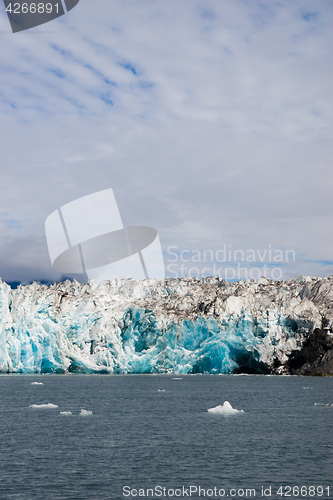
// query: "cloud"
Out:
[210,120]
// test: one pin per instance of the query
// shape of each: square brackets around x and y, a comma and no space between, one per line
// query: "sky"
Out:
[211,121]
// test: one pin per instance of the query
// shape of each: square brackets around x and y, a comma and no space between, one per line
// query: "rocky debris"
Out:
[316,355]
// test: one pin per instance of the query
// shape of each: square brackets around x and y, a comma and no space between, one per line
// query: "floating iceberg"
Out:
[47,405]
[226,409]
[85,413]
[37,383]
[66,413]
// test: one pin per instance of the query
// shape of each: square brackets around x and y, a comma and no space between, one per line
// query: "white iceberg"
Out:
[160,390]
[47,405]
[85,413]
[226,409]
[66,413]
[37,383]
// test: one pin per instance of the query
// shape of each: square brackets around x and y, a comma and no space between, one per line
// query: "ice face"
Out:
[172,326]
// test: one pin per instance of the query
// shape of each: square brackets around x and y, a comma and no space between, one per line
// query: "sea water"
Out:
[151,436]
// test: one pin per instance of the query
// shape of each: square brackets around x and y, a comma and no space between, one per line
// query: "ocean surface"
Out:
[150,436]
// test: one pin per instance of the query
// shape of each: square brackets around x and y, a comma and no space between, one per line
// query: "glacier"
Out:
[175,326]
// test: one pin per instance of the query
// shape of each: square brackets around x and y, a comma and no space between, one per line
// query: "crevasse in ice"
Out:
[150,326]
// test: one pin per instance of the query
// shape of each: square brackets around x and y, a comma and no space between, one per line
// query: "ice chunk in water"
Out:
[85,413]
[37,383]
[67,413]
[226,409]
[47,405]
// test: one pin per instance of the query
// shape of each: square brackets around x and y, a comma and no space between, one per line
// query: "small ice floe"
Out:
[37,383]
[85,413]
[160,390]
[177,378]
[323,404]
[66,413]
[226,409]
[307,387]
[47,405]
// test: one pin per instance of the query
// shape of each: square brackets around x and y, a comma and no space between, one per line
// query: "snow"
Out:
[226,409]
[150,326]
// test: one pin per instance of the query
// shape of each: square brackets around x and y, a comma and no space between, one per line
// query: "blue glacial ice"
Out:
[172,326]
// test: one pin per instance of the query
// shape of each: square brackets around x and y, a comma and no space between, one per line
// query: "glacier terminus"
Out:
[175,326]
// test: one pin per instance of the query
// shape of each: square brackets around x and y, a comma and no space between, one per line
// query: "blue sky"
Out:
[211,121]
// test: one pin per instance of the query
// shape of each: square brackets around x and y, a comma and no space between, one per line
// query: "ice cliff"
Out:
[171,326]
